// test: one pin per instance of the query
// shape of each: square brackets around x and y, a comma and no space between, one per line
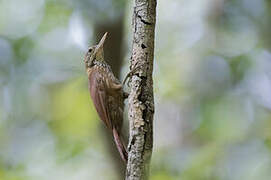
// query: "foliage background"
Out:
[212,90]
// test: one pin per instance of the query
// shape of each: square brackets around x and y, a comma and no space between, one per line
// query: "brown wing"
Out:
[101,93]
[99,96]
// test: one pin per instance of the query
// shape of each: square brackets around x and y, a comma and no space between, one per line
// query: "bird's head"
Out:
[95,53]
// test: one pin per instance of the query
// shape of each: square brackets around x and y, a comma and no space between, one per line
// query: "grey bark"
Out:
[140,100]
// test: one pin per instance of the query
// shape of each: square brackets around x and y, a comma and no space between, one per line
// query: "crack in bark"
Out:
[143,46]
[144,21]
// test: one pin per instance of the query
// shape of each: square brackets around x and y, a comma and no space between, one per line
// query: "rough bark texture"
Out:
[140,101]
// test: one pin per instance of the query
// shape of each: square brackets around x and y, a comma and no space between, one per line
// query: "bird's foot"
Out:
[125,95]
[131,73]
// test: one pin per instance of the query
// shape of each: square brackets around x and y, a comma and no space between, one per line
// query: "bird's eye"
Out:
[89,50]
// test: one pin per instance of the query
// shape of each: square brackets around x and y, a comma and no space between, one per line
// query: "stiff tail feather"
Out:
[120,146]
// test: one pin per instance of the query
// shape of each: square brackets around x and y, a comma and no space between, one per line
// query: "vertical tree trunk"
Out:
[140,101]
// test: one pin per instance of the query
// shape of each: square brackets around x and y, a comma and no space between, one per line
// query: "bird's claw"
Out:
[125,95]
[130,74]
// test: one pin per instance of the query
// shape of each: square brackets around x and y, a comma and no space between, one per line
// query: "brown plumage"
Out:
[106,93]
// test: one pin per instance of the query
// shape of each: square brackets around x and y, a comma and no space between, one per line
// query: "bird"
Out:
[107,93]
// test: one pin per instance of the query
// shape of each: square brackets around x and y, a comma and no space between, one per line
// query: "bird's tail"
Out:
[120,145]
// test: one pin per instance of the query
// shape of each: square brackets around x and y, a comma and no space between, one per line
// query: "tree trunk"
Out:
[140,101]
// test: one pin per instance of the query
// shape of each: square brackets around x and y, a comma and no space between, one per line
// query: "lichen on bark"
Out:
[140,100]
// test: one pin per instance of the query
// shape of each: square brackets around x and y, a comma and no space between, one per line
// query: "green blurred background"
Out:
[212,84]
